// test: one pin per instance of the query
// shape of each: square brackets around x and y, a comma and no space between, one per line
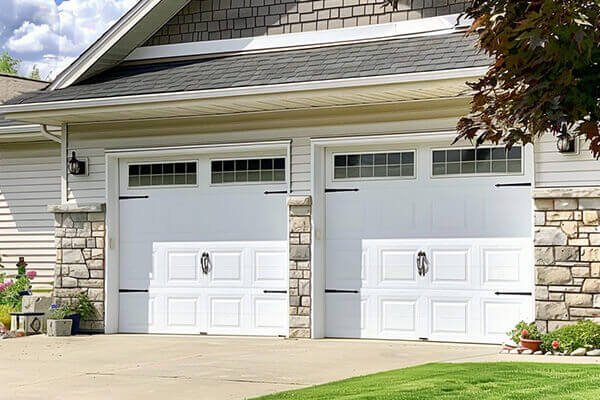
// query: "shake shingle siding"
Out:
[203,20]
[389,57]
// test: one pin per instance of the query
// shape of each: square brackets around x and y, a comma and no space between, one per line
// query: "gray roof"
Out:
[385,57]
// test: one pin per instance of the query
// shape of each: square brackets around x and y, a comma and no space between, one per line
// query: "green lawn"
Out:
[481,381]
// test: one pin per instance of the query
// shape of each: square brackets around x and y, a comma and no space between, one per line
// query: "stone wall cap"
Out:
[572,192]
[77,208]
[299,201]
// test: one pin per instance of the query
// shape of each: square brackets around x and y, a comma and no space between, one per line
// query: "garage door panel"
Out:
[450,317]
[164,233]
[227,268]
[476,252]
[397,267]
[270,313]
[355,311]
[499,315]
[182,312]
[451,267]
[398,317]
[143,320]
[182,268]
[270,268]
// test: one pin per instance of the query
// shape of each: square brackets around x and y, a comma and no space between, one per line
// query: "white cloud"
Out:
[51,36]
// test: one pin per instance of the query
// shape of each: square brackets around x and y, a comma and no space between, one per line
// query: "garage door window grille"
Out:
[163,174]
[374,165]
[257,170]
[481,161]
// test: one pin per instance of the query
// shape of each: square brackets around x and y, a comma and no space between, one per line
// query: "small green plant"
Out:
[568,338]
[83,306]
[59,312]
[5,311]
[525,330]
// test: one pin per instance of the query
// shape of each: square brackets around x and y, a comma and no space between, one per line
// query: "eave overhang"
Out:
[386,89]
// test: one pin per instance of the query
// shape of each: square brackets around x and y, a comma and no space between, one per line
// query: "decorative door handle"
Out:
[422,263]
[205,263]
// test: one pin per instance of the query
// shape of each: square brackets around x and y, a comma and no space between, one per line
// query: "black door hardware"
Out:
[133,197]
[341,190]
[276,192]
[205,263]
[522,184]
[340,291]
[513,293]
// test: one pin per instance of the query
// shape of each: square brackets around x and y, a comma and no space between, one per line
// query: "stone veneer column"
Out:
[79,239]
[567,255]
[300,265]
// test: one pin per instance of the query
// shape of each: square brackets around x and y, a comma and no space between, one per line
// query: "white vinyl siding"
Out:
[29,182]
[554,169]
[91,141]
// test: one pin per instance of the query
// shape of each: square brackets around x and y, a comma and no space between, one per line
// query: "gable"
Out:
[203,20]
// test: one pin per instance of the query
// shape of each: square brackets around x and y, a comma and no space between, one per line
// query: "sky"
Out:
[51,34]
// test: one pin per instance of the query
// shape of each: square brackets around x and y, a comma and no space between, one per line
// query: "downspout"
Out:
[47,134]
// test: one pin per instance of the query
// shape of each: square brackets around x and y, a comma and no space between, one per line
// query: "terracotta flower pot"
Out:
[533,345]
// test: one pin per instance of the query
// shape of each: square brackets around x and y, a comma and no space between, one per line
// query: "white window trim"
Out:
[475,175]
[180,185]
[374,178]
[253,183]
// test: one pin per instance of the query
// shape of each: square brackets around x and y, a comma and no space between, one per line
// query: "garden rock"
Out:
[538,353]
[527,352]
[579,352]
[2,328]
[593,353]
[59,327]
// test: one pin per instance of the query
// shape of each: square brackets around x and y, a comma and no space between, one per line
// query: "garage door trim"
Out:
[112,158]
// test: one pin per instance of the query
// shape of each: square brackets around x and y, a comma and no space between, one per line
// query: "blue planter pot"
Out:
[76,318]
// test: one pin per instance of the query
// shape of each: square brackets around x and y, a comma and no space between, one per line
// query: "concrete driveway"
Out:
[199,367]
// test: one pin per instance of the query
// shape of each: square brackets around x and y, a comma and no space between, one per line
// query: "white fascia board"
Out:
[421,27]
[21,133]
[104,44]
[13,110]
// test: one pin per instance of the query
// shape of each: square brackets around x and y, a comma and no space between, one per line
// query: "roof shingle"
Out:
[385,57]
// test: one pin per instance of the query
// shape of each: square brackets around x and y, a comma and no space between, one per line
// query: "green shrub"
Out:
[532,332]
[5,311]
[84,307]
[571,337]
[59,312]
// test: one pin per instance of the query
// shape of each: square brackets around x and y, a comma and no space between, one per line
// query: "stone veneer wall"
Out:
[79,239]
[204,20]
[567,254]
[300,208]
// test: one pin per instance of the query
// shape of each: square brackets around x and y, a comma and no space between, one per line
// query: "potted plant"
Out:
[57,322]
[81,309]
[527,336]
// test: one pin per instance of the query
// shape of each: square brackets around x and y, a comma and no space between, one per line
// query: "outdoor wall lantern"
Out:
[75,166]
[565,142]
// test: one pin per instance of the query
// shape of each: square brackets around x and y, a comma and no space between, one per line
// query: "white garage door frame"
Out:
[112,159]
[318,176]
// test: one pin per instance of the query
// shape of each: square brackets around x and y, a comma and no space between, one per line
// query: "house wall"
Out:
[91,140]
[29,181]
[204,20]
[554,169]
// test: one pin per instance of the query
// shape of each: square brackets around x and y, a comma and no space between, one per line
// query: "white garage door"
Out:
[428,242]
[202,248]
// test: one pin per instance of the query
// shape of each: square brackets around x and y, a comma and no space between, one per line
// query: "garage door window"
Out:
[258,170]
[374,165]
[163,174]
[487,160]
